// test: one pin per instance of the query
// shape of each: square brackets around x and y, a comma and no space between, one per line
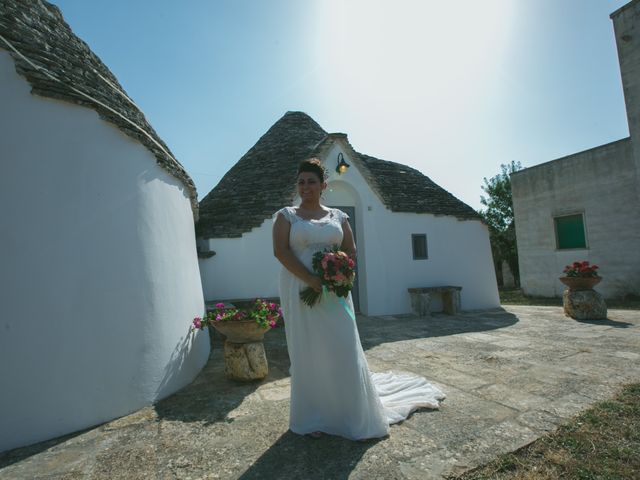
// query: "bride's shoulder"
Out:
[338,214]
[289,213]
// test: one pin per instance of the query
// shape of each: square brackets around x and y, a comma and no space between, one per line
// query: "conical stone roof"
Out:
[58,64]
[405,189]
[263,181]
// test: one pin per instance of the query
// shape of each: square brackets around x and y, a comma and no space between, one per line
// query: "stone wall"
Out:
[600,183]
[626,21]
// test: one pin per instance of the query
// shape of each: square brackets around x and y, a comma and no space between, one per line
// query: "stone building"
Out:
[409,231]
[99,269]
[586,206]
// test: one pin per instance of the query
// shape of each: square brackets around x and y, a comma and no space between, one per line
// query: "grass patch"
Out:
[514,296]
[601,443]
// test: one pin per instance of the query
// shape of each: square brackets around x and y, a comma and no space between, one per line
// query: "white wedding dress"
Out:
[332,389]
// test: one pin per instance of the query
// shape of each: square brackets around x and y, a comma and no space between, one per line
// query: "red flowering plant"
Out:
[581,269]
[337,271]
[265,314]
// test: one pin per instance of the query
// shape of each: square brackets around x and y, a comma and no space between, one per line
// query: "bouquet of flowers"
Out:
[581,269]
[337,272]
[265,314]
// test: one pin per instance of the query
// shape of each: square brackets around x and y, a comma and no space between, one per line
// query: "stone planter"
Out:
[244,355]
[580,301]
[245,362]
[580,283]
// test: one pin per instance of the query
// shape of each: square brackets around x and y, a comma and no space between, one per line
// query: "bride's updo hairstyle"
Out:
[313,165]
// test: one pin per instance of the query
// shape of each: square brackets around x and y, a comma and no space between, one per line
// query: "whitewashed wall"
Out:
[99,271]
[459,253]
[242,268]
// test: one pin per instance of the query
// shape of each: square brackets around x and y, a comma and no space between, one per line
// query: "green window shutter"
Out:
[570,232]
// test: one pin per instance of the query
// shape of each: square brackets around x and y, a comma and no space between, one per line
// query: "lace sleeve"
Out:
[341,215]
[287,213]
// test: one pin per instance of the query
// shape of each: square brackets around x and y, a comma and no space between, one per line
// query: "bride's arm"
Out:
[283,253]
[348,243]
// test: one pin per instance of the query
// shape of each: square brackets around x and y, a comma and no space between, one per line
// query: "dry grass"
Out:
[601,443]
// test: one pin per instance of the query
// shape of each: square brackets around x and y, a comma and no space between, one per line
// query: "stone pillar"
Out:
[245,361]
[508,280]
[451,302]
[420,303]
[625,25]
[584,305]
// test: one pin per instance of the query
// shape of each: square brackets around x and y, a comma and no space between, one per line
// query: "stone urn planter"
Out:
[580,301]
[241,331]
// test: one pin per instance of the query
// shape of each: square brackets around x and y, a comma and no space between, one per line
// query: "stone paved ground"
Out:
[510,375]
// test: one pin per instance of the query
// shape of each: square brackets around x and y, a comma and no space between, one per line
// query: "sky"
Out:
[453,89]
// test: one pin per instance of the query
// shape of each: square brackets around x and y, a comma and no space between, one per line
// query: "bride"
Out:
[332,389]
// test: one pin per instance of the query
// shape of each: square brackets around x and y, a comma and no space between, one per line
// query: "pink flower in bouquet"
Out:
[339,278]
[337,272]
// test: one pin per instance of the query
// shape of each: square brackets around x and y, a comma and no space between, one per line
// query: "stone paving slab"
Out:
[510,375]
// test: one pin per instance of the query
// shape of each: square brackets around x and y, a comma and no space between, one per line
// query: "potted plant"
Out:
[241,325]
[581,276]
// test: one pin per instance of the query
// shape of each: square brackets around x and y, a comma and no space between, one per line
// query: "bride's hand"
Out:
[315,282]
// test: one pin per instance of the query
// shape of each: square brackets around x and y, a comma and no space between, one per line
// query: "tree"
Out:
[499,217]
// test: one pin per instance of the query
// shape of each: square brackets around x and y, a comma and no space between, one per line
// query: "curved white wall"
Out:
[459,253]
[99,271]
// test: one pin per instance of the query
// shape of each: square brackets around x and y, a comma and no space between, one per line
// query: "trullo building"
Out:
[409,231]
[99,269]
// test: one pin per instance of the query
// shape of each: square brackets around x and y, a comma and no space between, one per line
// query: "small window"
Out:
[419,243]
[570,232]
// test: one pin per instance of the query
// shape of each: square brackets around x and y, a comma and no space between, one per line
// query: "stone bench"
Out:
[421,299]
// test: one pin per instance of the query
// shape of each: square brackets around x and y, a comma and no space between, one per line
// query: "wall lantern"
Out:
[342,165]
